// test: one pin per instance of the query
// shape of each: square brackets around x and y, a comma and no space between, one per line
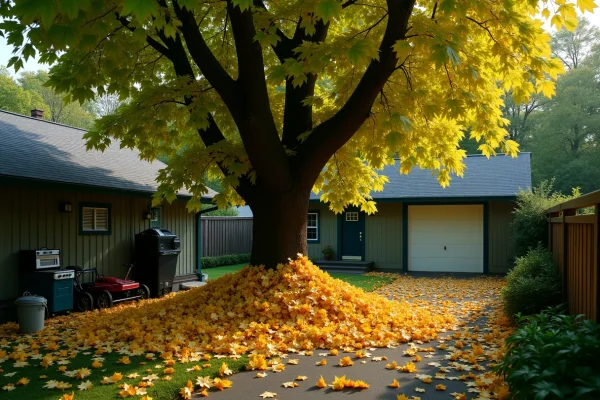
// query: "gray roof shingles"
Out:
[499,176]
[37,149]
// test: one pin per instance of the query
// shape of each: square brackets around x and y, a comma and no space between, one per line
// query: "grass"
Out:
[366,283]
[161,390]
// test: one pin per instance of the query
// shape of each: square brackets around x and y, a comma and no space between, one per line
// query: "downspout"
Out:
[199,240]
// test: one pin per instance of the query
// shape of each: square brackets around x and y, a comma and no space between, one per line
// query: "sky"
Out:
[32,64]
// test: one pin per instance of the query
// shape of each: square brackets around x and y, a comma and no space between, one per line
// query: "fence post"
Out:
[596,264]
[566,253]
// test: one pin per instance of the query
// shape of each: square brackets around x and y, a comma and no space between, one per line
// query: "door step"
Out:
[345,266]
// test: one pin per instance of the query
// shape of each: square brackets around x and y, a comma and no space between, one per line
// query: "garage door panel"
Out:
[458,227]
[455,251]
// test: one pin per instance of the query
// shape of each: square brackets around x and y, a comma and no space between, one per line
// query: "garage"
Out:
[445,238]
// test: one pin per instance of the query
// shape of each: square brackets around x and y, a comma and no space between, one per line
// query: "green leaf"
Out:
[242,4]
[141,9]
[453,55]
[328,9]
[362,50]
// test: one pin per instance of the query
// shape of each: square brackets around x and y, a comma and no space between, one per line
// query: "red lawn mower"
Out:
[93,289]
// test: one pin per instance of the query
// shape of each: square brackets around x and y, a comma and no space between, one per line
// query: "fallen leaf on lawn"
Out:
[150,378]
[146,398]
[50,384]
[23,382]
[204,382]
[124,360]
[20,364]
[87,385]
[166,378]
[224,370]
[194,368]
[63,385]
[82,373]
[204,392]
[289,384]
[96,364]
[186,391]
[440,387]
[268,395]
[395,384]
[458,396]
[67,396]
[426,380]
[8,387]
[401,397]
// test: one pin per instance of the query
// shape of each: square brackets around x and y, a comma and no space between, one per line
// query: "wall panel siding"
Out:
[383,237]
[501,236]
[30,219]
[327,232]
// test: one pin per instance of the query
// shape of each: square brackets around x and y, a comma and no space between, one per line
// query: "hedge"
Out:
[230,259]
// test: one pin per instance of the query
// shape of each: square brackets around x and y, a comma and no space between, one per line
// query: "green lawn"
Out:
[367,283]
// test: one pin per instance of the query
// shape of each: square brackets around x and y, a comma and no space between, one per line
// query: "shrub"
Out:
[212,262]
[553,356]
[530,223]
[532,285]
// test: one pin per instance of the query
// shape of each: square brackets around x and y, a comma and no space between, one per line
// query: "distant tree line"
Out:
[563,133]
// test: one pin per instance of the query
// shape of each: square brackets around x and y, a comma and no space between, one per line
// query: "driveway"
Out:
[457,364]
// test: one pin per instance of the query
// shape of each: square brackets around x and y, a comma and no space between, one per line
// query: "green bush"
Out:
[212,262]
[530,223]
[532,285]
[553,356]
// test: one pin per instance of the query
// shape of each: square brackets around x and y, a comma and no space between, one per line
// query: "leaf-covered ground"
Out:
[155,347]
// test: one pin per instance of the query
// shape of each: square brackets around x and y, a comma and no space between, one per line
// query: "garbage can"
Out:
[156,253]
[30,313]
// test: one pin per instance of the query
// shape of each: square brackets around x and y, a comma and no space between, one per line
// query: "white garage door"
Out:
[445,238]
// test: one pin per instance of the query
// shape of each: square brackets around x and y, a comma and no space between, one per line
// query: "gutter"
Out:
[199,240]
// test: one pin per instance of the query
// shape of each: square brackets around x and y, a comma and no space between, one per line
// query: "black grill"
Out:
[156,253]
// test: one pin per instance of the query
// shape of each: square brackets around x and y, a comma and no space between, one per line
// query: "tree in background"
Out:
[572,47]
[16,99]
[276,99]
[64,112]
[105,105]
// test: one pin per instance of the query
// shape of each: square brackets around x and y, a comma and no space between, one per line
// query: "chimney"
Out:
[35,113]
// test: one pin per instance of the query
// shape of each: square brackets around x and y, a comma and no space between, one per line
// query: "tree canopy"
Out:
[266,96]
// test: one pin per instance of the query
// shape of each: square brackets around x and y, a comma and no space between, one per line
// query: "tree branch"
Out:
[332,134]
[257,129]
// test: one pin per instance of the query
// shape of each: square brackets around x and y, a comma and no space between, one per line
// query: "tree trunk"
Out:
[279,228]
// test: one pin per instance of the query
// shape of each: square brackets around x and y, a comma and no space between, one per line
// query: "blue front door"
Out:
[353,235]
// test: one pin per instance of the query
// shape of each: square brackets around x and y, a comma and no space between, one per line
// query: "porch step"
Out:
[345,266]
[191,285]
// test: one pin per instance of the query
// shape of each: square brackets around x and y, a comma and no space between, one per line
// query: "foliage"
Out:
[553,356]
[218,261]
[530,222]
[68,113]
[223,212]
[268,96]
[327,250]
[572,47]
[16,99]
[532,285]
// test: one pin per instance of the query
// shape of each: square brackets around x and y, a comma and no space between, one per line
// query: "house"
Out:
[421,226]
[87,204]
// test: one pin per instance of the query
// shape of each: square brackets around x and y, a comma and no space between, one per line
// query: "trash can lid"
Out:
[31,300]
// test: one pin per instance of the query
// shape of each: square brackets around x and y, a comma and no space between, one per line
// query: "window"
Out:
[95,219]
[351,216]
[156,219]
[312,227]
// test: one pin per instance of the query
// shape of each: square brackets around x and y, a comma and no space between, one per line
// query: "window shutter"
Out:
[101,219]
[87,221]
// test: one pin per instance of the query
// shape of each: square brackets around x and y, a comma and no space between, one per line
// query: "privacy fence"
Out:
[574,238]
[226,235]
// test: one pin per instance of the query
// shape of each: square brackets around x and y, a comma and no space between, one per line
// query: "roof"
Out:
[37,149]
[499,176]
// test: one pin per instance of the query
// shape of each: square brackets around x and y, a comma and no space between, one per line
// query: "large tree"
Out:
[280,98]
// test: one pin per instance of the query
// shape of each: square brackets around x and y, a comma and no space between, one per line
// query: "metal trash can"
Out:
[156,253]
[30,313]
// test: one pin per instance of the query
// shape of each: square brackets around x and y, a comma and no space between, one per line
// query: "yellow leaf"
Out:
[586,5]
[321,382]
[395,384]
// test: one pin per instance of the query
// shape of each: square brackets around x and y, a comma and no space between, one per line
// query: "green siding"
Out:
[30,219]
[502,246]
[383,238]
[327,230]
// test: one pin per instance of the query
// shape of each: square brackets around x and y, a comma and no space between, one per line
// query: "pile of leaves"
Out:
[296,306]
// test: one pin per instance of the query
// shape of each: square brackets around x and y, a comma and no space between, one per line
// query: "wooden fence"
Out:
[226,235]
[574,240]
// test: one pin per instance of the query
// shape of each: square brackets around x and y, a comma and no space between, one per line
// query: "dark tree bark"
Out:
[279,228]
